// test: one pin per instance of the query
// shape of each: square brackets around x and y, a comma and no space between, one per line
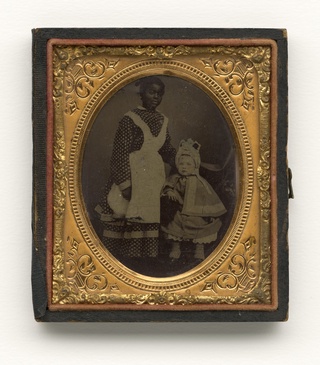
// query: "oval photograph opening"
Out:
[160,175]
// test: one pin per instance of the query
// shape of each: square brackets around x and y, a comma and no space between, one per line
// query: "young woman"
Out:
[130,209]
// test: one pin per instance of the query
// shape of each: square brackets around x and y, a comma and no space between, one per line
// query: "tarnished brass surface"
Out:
[238,78]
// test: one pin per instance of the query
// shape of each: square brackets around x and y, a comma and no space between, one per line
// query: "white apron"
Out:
[147,174]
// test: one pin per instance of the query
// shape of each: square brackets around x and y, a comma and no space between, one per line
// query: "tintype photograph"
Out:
[160,173]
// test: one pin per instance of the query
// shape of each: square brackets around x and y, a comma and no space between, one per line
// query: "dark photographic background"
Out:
[192,114]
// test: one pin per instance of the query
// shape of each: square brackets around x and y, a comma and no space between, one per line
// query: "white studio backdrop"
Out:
[22,340]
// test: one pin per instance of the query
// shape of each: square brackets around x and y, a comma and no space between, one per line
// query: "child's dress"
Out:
[197,218]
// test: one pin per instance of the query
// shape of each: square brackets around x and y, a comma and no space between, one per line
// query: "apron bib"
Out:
[147,174]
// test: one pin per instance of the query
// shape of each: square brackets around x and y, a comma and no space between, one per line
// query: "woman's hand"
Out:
[126,193]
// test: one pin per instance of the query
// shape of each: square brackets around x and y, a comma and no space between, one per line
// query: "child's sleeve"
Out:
[169,184]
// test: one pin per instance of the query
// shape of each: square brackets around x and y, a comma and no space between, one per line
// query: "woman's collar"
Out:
[143,108]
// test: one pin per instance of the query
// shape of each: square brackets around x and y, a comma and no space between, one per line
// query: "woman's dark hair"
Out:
[145,82]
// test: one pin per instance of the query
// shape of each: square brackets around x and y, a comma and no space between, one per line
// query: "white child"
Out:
[199,205]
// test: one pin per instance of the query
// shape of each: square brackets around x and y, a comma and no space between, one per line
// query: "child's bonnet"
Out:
[200,198]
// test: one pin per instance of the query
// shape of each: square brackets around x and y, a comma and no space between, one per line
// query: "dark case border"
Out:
[39,120]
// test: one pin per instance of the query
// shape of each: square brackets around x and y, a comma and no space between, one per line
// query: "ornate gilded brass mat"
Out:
[160,178]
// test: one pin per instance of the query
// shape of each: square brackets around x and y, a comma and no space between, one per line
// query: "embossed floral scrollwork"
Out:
[238,75]
[160,52]
[161,298]
[71,105]
[94,69]
[79,80]
[60,172]
[96,282]
[79,275]
[83,86]
[69,84]
[83,272]
[60,289]
[74,76]
[98,68]
[241,274]
[263,173]
[258,57]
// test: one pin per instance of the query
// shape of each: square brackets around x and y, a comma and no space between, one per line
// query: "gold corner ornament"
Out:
[239,271]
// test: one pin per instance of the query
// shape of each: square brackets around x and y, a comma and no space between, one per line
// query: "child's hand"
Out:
[172,196]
